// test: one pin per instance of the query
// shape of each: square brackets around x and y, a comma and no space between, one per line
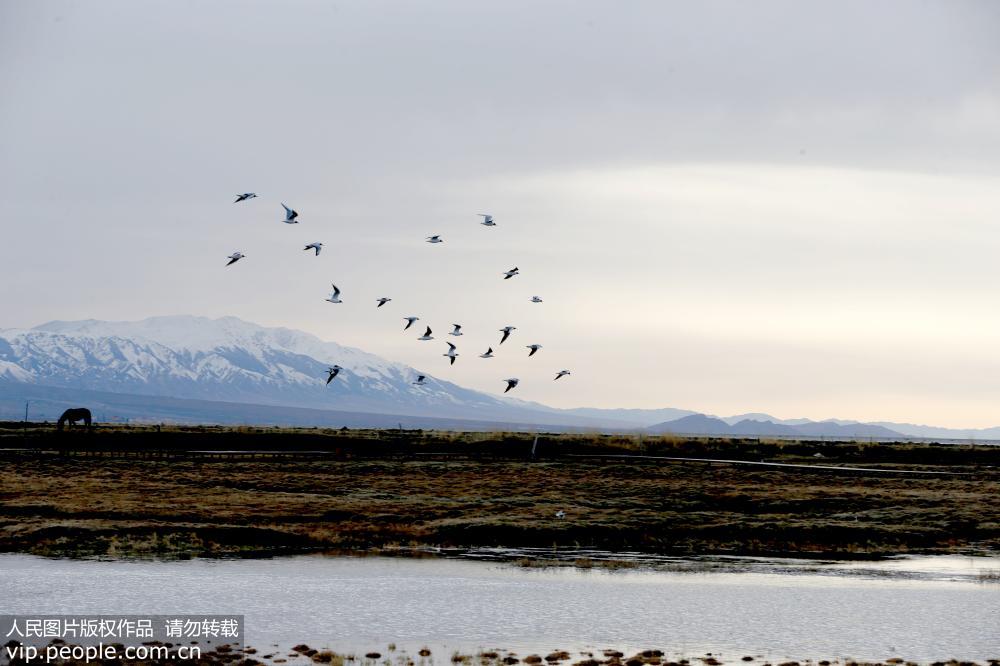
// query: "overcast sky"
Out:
[790,207]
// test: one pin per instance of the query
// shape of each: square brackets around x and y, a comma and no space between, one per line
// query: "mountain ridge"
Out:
[702,424]
[230,360]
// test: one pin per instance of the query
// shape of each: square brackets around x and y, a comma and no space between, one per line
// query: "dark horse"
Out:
[74,415]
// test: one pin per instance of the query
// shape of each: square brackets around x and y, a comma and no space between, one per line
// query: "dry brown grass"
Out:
[127,507]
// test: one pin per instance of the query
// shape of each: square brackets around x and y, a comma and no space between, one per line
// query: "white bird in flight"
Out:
[488,354]
[434,239]
[536,299]
[511,273]
[335,296]
[333,372]
[234,257]
[314,246]
[506,332]
[511,383]
[427,335]
[290,215]
[451,353]
[487,220]
[457,331]
[409,321]
[562,373]
[245,196]
[382,301]
[533,349]
[420,380]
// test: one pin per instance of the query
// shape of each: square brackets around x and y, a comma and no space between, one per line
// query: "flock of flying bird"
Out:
[291,217]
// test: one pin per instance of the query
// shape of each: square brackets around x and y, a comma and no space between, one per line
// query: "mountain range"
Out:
[233,361]
[707,425]
[195,369]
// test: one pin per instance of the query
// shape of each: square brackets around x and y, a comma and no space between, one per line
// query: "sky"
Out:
[781,206]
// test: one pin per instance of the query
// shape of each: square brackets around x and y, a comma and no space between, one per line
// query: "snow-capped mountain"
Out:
[228,359]
[251,367]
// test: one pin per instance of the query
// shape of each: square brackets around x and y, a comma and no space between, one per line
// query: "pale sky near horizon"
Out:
[781,206]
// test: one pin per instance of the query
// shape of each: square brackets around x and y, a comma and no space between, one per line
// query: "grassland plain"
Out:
[143,491]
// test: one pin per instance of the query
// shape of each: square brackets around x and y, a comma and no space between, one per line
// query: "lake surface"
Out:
[924,609]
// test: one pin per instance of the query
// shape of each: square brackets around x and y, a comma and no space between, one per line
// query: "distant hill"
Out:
[755,427]
[758,416]
[700,424]
[935,432]
[831,429]
[695,424]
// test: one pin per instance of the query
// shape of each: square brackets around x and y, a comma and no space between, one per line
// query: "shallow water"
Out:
[922,609]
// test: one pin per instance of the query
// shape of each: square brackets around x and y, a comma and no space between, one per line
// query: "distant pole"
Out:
[26,403]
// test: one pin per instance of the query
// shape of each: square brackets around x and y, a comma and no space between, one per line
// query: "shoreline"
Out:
[974,568]
[344,608]
[392,655]
[564,558]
